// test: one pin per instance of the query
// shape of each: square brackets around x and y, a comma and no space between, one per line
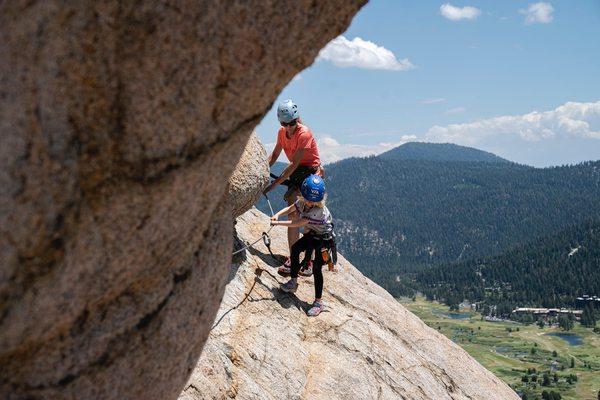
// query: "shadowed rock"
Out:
[120,124]
[364,345]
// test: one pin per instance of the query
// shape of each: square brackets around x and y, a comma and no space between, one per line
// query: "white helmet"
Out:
[287,111]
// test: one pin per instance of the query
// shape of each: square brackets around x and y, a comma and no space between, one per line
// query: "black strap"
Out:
[287,182]
[294,179]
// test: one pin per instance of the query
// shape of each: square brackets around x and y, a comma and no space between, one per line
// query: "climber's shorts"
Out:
[296,179]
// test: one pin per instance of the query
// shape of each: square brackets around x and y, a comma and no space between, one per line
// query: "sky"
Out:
[520,79]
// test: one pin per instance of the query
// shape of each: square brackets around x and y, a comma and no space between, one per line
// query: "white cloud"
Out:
[433,101]
[457,13]
[571,120]
[456,110]
[538,13]
[362,54]
[297,78]
[330,150]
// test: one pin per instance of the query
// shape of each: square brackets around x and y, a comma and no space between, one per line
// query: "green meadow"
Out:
[526,357]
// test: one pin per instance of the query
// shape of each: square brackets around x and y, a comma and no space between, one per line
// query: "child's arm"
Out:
[290,224]
[284,211]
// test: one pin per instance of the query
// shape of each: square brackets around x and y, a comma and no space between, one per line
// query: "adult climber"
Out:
[300,148]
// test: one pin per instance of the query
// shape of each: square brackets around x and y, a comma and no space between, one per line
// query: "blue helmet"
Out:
[313,188]
[287,111]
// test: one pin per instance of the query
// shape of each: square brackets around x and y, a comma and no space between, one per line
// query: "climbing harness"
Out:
[328,250]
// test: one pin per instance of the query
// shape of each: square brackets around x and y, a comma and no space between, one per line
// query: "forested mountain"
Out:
[404,214]
[407,151]
[546,272]
[398,216]
[439,152]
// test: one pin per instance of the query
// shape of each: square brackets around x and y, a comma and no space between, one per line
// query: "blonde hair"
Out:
[320,204]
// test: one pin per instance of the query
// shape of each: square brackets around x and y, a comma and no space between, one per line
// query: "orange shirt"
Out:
[301,139]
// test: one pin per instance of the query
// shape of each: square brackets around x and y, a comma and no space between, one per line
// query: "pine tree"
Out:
[565,323]
[588,318]
[545,395]
[546,380]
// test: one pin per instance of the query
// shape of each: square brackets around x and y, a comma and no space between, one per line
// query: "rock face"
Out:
[250,176]
[364,345]
[120,124]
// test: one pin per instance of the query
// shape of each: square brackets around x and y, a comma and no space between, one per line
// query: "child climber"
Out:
[318,232]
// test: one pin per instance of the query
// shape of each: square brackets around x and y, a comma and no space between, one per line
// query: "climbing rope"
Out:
[264,237]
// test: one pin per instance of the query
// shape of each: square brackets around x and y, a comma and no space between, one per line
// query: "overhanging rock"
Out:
[120,124]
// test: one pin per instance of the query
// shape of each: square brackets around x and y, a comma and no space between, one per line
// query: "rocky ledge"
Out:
[365,345]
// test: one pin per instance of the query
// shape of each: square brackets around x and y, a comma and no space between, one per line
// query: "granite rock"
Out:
[364,345]
[250,177]
[120,124]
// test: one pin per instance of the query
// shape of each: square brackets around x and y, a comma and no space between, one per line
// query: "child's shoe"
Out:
[290,286]
[308,270]
[285,269]
[316,308]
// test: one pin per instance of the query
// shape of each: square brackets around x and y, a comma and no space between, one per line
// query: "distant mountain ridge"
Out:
[407,151]
[439,152]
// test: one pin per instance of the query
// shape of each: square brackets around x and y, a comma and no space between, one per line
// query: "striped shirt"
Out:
[319,218]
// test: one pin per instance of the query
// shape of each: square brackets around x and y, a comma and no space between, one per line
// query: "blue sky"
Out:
[517,78]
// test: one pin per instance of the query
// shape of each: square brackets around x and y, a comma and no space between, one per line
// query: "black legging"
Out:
[308,242]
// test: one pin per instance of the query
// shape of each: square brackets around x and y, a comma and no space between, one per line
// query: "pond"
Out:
[571,338]
[510,351]
[453,315]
